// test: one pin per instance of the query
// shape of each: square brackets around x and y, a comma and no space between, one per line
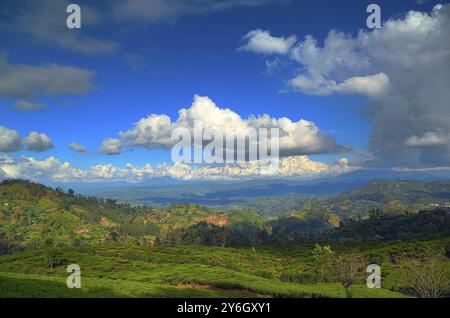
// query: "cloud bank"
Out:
[51,169]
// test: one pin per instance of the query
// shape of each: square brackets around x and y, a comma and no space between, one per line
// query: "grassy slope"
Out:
[170,272]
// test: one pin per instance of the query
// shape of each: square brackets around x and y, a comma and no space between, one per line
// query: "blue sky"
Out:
[159,66]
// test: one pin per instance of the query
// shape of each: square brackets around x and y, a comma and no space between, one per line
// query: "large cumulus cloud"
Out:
[300,137]
[404,70]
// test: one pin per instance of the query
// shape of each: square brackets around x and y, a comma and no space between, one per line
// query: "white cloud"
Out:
[331,69]
[273,65]
[140,172]
[374,85]
[77,147]
[51,169]
[106,172]
[29,106]
[111,146]
[342,65]
[259,41]
[37,142]
[9,140]
[25,81]
[296,137]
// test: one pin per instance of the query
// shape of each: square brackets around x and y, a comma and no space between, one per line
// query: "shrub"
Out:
[265,274]
[300,278]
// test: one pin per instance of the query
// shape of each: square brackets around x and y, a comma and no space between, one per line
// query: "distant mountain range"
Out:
[218,193]
[393,197]
[267,196]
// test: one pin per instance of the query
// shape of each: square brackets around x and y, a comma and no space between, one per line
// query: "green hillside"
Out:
[127,271]
[33,215]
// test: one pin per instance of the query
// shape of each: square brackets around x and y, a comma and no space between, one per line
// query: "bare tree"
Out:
[349,270]
[429,279]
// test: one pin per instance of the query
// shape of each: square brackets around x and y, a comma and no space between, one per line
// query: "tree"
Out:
[429,279]
[54,257]
[322,257]
[348,269]
[71,192]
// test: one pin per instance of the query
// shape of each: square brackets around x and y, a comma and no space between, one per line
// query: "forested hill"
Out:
[392,197]
[425,225]
[34,215]
[407,192]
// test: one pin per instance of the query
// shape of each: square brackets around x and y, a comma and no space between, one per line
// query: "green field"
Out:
[124,271]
